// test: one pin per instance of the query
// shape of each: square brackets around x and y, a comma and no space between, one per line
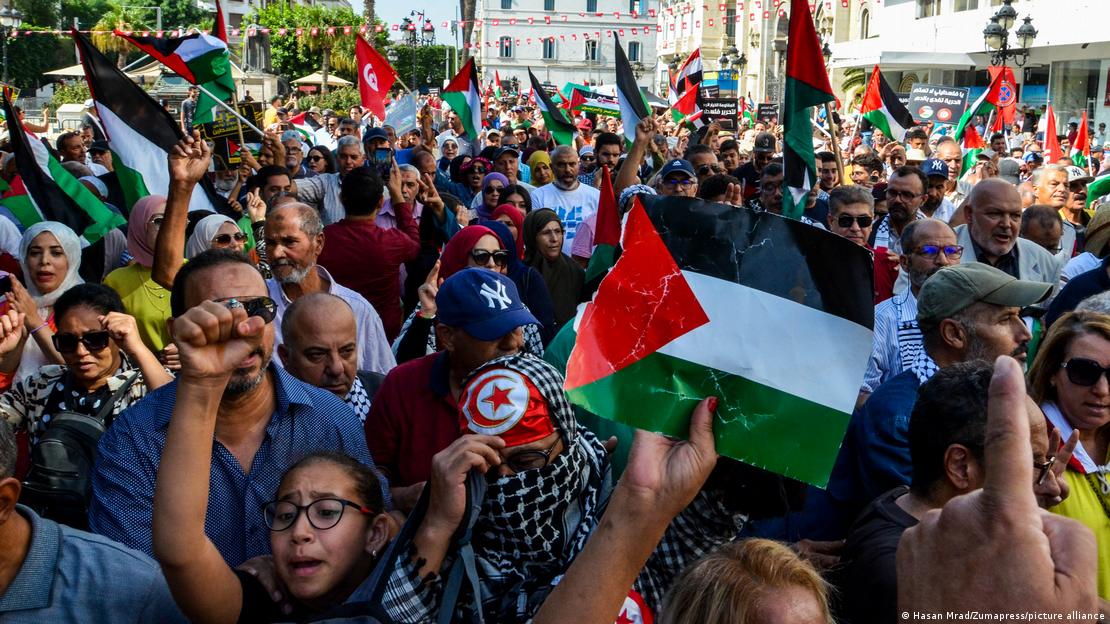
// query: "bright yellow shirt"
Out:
[1083,504]
[145,300]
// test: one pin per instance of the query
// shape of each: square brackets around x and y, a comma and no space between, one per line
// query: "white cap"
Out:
[89,103]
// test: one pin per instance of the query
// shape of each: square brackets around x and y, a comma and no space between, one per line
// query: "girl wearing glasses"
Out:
[215,232]
[543,249]
[473,246]
[101,350]
[50,255]
[1069,380]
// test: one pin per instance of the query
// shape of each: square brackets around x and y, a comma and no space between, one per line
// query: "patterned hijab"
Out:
[533,523]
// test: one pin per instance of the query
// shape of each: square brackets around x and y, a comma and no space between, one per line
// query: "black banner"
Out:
[724,111]
[937,103]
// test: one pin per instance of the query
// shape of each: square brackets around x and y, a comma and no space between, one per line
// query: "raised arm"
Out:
[628,175]
[188,164]
[203,585]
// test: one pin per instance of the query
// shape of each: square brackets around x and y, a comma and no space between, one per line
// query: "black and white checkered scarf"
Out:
[533,523]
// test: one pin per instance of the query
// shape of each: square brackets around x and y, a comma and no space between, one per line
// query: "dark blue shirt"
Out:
[1077,289]
[307,419]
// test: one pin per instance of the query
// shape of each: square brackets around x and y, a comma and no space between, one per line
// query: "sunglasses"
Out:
[1081,371]
[225,239]
[314,158]
[492,189]
[683,182]
[93,341]
[262,307]
[932,251]
[482,257]
[845,221]
[479,169]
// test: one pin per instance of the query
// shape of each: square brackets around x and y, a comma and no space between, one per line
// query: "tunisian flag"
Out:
[375,77]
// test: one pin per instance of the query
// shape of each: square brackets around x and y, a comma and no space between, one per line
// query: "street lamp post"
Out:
[418,32]
[996,36]
[10,19]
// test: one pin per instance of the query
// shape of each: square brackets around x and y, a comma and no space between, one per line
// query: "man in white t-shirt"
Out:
[573,201]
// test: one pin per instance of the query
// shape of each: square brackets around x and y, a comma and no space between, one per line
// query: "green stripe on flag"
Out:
[103,218]
[130,181]
[880,119]
[769,428]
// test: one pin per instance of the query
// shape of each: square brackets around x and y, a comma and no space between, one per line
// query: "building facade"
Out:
[564,40]
[942,42]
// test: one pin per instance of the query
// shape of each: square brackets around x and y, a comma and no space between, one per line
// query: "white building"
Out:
[564,40]
[941,42]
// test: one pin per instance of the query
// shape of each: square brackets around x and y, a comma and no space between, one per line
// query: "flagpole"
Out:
[835,142]
[230,109]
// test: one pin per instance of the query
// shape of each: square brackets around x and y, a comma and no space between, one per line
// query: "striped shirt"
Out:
[897,339]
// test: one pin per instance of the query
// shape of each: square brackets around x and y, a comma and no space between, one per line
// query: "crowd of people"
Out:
[409,455]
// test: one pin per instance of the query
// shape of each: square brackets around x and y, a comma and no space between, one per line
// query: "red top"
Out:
[886,274]
[367,259]
[412,418]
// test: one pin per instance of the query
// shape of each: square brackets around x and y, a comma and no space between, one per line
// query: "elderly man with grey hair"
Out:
[322,192]
[993,215]
[573,201]
[295,151]
[294,240]
[410,187]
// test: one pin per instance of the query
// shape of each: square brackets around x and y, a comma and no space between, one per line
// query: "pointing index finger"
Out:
[1008,451]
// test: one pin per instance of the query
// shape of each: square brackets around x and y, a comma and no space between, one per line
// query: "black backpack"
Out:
[59,483]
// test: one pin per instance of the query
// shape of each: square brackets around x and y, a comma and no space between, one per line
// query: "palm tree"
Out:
[368,11]
[468,8]
[855,79]
[123,18]
[337,50]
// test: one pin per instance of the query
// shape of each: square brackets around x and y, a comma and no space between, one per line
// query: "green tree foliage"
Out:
[340,100]
[431,64]
[29,56]
[74,92]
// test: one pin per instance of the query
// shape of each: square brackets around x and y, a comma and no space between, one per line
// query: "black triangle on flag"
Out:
[632,104]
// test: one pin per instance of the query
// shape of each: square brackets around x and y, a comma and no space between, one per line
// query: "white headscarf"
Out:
[71,245]
[203,233]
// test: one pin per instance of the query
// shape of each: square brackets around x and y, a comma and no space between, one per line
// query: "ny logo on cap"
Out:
[935,165]
[493,297]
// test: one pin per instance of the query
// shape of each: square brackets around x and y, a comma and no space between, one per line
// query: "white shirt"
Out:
[1078,265]
[573,207]
[374,353]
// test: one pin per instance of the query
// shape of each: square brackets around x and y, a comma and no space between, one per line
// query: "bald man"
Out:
[990,236]
[321,349]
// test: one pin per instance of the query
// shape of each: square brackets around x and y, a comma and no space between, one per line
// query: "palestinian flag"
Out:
[972,145]
[301,125]
[496,84]
[140,133]
[685,109]
[554,118]
[199,58]
[807,85]
[1052,150]
[14,197]
[633,105]
[607,230]
[1097,188]
[462,96]
[884,110]
[747,109]
[689,75]
[46,191]
[770,315]
[990,101]
[1081,150]
[583,101]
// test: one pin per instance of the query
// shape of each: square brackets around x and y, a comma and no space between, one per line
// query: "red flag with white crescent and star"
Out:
[375,77]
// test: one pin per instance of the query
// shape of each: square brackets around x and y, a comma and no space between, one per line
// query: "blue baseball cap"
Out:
[935,167]
[677,165]
[482,303]
[375,133]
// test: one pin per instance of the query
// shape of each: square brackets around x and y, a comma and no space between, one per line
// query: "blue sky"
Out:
[392,11]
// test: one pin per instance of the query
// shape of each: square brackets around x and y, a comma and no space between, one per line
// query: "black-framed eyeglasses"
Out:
[262,307]
[845,221]
[932,251]
[1044,468]
[479,169]
[902,195]
[93,341]
[482,256]
[322,514]
[530,460]
[314,158]
[1085,372]
[225,239]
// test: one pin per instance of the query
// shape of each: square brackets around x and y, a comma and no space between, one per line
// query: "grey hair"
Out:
[345,141]
[1096,303]
[290,135]
[849,194]
[408,169]
[563,149]
[1038,173]
[309,216]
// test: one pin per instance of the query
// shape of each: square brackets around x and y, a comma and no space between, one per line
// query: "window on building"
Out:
[591,6]
[730,22]
[634,6]
[548,49]
[548,5]
[928,8]
[966,5]
[505,46]
[633,51]
[591,50]
[506,4]
[865,24]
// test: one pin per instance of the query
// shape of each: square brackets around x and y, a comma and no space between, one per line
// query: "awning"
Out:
[316,78]
[905,60]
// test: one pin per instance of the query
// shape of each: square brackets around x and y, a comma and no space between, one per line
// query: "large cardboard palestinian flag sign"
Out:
[770,315]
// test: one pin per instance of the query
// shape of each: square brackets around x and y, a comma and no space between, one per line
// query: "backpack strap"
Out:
[105,413]
[465,562]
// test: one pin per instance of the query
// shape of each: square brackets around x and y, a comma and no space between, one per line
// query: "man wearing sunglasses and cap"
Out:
[265,418]
[965,312]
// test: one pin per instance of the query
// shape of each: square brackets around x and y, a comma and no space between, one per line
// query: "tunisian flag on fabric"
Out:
[375,77]
[1052,151]
[770,315]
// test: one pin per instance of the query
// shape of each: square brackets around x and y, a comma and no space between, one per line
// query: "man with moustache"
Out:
[1052,188]
[993,215]
[905,194]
